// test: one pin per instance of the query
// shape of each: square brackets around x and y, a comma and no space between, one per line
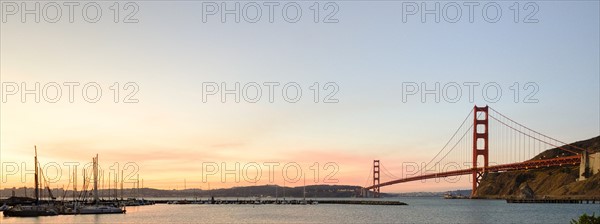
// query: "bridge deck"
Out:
[530,164]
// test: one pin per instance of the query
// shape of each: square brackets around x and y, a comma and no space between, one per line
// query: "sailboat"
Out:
[97,208]
[36,209]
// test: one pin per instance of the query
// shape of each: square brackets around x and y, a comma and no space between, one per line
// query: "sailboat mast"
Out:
[37,189]
[103,190]
[84,186]
[74,182]
[109,183]
[116,186]
[121,185]
[96,199]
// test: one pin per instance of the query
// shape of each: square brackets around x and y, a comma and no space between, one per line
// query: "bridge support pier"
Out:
[480,144]
[590,165]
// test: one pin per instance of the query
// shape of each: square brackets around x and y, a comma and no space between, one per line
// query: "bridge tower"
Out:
[376,178]
[480,144]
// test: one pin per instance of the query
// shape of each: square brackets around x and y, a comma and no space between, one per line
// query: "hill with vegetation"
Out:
[555,182]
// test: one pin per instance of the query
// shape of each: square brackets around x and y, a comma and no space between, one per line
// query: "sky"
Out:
[168,123]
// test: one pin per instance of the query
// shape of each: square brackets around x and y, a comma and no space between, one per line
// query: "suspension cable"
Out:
[368,178]
[524,134]
[390,174]
[447,143]
[582,149]
[469,129]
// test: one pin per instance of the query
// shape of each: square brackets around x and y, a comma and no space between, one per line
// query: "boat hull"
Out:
[101,210]
[29,213]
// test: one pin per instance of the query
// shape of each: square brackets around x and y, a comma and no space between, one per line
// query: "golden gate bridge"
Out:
[492,142]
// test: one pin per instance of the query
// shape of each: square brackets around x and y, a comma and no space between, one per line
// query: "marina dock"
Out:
[282,202]
[555,200]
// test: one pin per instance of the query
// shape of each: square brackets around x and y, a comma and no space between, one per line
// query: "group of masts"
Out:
[115,190]
[79,205]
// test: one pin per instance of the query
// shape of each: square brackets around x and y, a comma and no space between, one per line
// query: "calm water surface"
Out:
[419,210]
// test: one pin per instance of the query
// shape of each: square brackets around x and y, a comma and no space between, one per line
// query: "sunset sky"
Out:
[368,54]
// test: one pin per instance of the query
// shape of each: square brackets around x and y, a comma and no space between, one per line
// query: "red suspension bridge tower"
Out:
[480,144]
[375,178]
